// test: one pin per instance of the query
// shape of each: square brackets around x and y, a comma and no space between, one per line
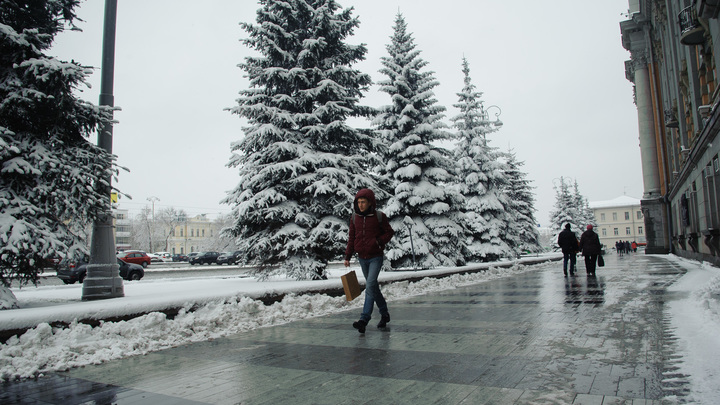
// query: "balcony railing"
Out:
[691,32]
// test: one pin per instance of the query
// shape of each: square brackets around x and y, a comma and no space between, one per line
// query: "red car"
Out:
[135,256]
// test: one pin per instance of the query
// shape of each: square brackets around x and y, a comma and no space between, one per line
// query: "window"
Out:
[627,216]
[640,230]
[203,233]
[627,230]
[602,217]
[181,233]
[604,232]
[192,233]
[614,216]
[639,214]
[615,232]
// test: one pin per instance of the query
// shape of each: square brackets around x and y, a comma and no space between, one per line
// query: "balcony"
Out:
[691,32]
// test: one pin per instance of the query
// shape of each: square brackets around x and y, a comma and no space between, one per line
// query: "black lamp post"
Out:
[102,280]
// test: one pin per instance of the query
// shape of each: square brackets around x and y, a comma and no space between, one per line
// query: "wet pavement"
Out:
[538,338]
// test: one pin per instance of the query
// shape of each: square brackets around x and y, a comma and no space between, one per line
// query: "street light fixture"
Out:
[497,121]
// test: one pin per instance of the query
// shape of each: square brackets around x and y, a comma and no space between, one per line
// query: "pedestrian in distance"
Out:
[634,246]
[568,242]
[591,249]
[369,232]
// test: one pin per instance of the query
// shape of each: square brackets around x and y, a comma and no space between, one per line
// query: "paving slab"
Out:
[537,338]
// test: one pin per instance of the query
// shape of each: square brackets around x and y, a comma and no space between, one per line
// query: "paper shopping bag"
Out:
[351,286]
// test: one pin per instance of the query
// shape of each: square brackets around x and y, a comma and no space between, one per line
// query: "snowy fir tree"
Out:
[570,207]
[421,206]
[481,178]
[49,168]
[299,162]
[522,235]
[585,214]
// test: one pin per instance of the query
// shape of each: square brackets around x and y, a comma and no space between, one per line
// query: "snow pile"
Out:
[44,348]
[695,318]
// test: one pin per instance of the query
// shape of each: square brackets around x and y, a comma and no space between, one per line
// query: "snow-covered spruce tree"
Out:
[300,164]
[566,210]
[48,167]
[586,216]
[523,235]
[480,178]
[421,170]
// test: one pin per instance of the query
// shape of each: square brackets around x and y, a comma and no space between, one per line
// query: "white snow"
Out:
[224,306]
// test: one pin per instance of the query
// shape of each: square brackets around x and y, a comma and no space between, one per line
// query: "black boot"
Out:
[360,325]
[383,321]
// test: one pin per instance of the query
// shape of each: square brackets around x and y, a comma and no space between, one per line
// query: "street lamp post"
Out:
[103,280]
[151,228]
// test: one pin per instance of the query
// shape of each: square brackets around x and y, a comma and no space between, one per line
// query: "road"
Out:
[175,270]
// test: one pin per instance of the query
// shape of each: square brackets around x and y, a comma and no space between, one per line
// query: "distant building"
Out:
[191,235]
[619,219]
[674,57]
[122,229]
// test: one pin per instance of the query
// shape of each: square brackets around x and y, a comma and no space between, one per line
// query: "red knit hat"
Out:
[589,227]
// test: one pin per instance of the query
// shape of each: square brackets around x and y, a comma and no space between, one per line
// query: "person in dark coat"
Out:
[591,249]
[370,231]
[568,242]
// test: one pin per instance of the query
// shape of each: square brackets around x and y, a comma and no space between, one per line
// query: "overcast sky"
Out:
[555,68]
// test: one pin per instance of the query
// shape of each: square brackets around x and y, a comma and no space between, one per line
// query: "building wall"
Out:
[620,223]
[674,54]
[122,228]
[191,235]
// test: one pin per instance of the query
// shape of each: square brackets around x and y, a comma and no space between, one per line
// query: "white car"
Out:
[163,256]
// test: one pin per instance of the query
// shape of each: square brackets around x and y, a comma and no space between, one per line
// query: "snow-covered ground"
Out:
[226,305]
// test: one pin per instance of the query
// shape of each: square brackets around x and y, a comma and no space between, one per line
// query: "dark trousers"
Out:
[569,257]
[590,263]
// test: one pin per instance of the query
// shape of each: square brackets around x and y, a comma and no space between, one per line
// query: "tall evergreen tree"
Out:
[586,216]
[421,170]
[481,177]
[300,164]
[523,235]
[570,207]
[49,168]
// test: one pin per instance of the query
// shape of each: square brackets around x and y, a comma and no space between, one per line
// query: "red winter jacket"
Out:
[368,235]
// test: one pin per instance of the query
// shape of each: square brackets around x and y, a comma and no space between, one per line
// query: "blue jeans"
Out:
[371,270]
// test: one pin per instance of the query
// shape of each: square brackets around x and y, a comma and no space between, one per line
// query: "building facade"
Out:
[191,235]
[619,219]
[122,228]
[674,54]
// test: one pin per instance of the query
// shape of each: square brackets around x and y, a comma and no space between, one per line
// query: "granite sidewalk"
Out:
[535,339]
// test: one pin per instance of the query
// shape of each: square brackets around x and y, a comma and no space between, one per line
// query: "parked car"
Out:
[154,258]
[180,258]
[135,256]
[205,258]
[192,254]
[228,257]
[164,256]
[76,271]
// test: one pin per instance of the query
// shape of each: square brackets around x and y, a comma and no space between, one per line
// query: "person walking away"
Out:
[590,247]
[634,246]
[568,242]
[369,232]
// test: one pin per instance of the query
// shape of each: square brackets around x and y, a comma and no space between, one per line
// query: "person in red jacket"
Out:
[370,231]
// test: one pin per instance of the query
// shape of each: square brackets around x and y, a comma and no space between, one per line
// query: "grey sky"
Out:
[555,68]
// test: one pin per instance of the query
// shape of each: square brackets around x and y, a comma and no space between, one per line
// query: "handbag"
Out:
[351,286]
[601,261]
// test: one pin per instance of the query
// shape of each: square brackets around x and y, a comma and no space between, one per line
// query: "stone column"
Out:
[646,126]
